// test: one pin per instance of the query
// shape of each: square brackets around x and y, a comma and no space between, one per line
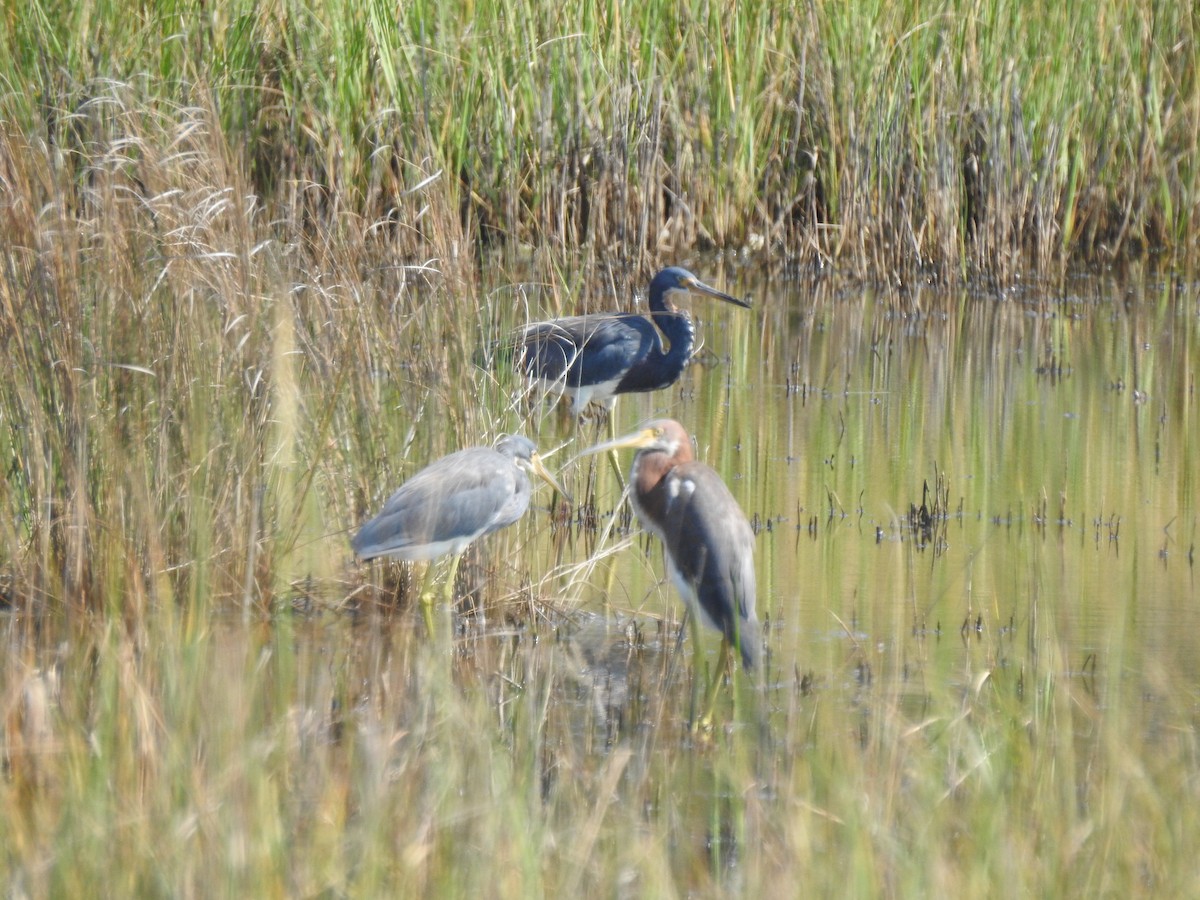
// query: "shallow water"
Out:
[1049,435]
[1050,439]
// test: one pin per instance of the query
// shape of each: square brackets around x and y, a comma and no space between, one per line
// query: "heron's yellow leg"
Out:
[425,598]
[428,595]
[710,701]
[447,593]
[449,590]
[612,454]
[698,670]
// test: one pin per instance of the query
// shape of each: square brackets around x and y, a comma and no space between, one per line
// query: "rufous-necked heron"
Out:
[707,542]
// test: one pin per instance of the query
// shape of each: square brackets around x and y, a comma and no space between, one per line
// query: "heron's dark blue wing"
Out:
[586,350]
[445,506]
[711,546]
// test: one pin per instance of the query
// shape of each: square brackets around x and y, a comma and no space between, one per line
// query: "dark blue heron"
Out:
[707,542]
[451,503]
[593,358]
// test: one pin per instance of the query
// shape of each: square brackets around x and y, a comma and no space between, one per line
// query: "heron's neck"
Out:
[679,331]
[651,481]
[650,494]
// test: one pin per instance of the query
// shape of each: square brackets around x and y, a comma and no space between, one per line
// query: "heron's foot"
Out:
[704,723]
[702,727]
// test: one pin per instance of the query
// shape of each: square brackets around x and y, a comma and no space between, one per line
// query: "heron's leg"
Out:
[616,467]
[447,592]
[698,667]
[449,589]
[611,415]
[425,598]
[710,701]
[428,595]
[605,413]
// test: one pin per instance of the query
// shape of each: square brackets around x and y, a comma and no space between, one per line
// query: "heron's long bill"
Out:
[643,437]
[538,469]
[695,284]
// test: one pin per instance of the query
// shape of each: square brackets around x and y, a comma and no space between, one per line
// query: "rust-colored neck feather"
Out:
[653,465]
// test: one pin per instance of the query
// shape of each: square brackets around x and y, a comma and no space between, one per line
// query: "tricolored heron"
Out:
[451,503]
[593,358]
[707,542]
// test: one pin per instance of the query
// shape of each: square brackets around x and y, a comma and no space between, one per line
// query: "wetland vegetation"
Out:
[249,252]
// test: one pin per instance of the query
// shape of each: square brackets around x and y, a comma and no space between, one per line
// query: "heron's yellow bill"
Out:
[648,436]
[538,469]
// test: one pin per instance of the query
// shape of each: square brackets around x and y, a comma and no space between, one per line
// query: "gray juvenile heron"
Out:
[707,542]
[451,503]
[593,358]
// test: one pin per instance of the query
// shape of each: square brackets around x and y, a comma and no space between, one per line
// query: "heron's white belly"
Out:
[421,552]
[580,396]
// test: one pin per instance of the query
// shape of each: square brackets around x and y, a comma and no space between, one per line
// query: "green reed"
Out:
[899,141]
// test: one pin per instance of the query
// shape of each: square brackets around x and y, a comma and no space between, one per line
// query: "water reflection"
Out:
[1047,436]
[945,490]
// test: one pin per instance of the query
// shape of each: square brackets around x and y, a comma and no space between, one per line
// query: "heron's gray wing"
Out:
[456,499]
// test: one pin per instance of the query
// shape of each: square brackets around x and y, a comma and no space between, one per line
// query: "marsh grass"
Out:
[899,142]
[242,292]
[319,754]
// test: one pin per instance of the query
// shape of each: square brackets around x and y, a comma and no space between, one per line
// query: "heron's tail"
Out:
[748,640]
